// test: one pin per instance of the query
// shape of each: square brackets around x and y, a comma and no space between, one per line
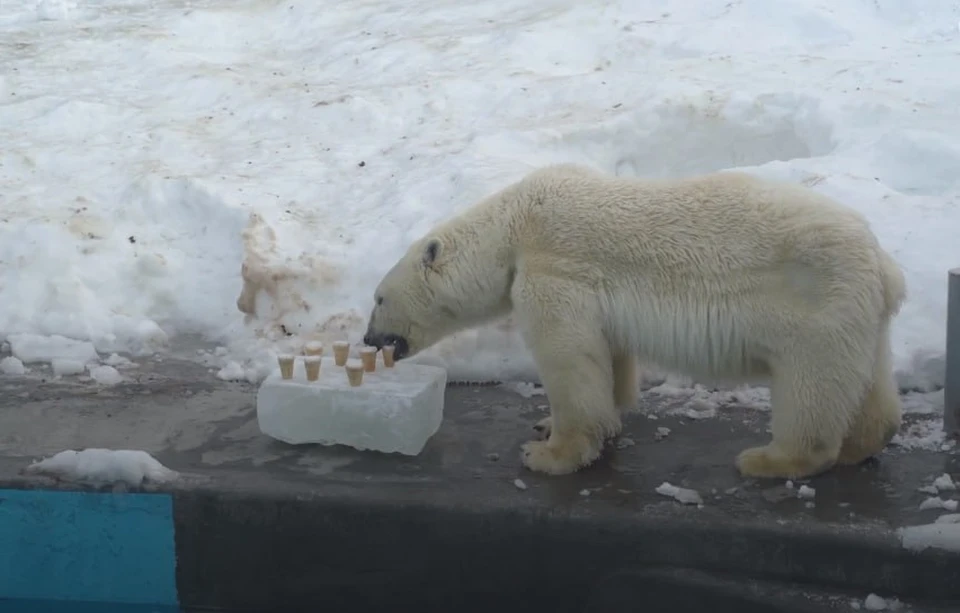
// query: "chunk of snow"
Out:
[519,484]
[944,483]
[936,502]
[31,348]
[94,465]
[63,367]
[525,389]
[105,375]
[876,603]
[12,366]
[117,361]
[937,535]
[680,494]
[233,371]
[806,492]
[949,518]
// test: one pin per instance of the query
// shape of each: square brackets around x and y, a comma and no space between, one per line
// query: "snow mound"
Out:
[246,171]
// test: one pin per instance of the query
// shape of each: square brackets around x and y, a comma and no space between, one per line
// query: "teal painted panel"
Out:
[87,546]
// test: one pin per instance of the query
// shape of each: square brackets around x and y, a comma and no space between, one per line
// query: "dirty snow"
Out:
[151,150]
[131,467]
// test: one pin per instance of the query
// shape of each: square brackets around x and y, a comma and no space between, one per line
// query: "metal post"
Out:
[951,384]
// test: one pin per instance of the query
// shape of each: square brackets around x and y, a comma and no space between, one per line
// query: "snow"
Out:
[935,502]
[875,603]
[939,535]
[944,483]
[64,367]
[106,375]
[131,467]
[680,494]
[32,348]
[164,167]
[12,366]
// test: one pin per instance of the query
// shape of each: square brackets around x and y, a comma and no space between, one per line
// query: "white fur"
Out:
[719,276]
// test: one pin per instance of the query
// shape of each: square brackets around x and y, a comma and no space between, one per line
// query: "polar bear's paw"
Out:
[769,462]
[558,456]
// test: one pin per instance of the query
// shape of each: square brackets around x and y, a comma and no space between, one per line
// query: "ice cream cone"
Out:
[286,362]
[369,357]
[388,355]
[312,365]
[354,370]
[341,351]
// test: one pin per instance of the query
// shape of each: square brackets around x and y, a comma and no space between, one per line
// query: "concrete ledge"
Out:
[263,526]
[370,556]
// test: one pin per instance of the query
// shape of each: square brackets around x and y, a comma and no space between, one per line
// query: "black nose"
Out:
[371,341]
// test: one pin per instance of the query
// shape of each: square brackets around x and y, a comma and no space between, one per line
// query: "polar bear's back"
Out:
[708,224]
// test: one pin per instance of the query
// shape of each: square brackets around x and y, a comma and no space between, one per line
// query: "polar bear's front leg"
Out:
[625,390]
[576,369]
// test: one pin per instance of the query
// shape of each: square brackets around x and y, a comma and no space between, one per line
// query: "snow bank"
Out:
[103,466]
[166,170]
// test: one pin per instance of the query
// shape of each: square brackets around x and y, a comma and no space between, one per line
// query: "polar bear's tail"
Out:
[894,284]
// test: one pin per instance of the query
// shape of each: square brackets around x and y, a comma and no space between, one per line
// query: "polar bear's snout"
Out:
[401,348]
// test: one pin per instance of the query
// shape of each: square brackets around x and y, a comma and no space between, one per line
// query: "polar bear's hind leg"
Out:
[879,417]
[814,400]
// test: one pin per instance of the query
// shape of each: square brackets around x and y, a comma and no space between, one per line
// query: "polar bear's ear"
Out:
[431,251]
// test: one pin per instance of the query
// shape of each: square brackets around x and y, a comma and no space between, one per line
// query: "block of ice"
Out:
[393,410]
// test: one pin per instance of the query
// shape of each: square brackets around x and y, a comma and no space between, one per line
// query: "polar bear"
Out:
[722,276]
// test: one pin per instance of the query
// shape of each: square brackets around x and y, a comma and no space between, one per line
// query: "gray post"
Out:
[951,384]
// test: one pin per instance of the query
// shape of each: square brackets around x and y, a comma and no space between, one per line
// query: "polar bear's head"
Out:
[447,281]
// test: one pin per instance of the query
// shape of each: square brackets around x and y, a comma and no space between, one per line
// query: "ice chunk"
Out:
[393,410]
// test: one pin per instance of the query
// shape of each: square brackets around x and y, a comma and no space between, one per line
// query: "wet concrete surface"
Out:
[206,429]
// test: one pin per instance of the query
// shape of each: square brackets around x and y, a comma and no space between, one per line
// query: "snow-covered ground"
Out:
[150,149]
